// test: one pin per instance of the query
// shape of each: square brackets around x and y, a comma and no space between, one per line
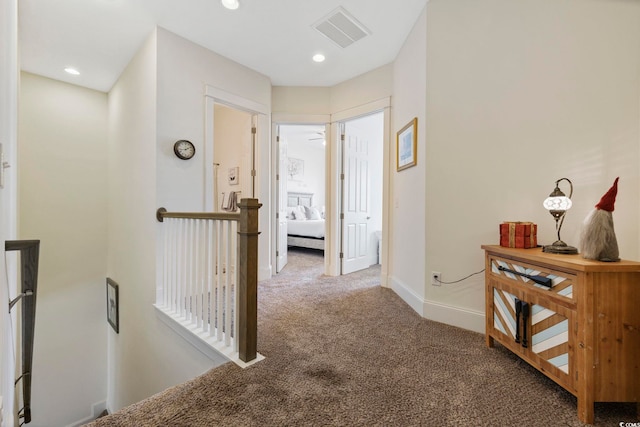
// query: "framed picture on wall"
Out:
[295,168]
[407,145]
[234,176]
[112,305]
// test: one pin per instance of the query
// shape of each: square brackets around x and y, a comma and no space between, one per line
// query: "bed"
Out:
[305,222]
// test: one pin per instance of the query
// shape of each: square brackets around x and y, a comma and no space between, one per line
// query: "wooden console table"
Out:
[583,331]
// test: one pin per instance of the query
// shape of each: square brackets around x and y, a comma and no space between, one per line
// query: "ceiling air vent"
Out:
[342,28]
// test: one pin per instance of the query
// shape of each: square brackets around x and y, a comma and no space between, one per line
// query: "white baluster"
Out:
[219,306]
[227,293]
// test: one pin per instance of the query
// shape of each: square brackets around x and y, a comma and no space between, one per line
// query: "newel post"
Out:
[248,286]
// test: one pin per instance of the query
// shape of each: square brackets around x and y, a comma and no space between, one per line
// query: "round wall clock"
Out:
[184,149]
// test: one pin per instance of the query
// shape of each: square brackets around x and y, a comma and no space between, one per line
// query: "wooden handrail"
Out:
[248,268]
[29,255]
[162,213]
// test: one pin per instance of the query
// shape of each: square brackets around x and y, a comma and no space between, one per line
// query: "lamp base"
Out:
[560,247]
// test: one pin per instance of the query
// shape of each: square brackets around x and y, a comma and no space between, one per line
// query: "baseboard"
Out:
[265,273]
[438,312]
[96,410]
[408,295]
[198,343]
[216,351]
[455,316]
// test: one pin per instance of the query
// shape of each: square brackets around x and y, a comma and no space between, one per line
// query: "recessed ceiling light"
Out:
[231,4]
[318,57]
[72,70]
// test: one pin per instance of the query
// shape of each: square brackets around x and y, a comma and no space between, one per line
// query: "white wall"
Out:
[313,179]
[184,71]
[158,99]
[368,87]
[520,94]
[301,100]
[9,77]
[146,356]
[62,202]
[408,224]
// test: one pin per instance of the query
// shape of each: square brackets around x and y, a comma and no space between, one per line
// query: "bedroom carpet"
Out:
[347,352]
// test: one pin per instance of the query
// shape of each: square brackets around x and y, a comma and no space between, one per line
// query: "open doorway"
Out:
[361,192]
[232,156]
[301,190]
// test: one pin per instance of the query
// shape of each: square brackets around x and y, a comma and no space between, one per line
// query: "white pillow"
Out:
[312,213]
[299,214]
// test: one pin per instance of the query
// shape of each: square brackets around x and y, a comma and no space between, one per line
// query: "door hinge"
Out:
[253,172]
[277,215]
[253,130]
[277,177]
[277,253]
[341,255]
[278,138]
[342,137]
[341,216]
[342,176]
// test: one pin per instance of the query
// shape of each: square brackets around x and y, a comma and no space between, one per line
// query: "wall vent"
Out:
[341,28]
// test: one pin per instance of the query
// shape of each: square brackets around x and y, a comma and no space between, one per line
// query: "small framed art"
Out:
[407,145]
[112,305]
[234,176]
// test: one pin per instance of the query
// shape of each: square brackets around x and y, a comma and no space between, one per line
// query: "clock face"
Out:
[184,149]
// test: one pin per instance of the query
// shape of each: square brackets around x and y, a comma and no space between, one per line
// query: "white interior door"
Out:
[281,232]
[355,200]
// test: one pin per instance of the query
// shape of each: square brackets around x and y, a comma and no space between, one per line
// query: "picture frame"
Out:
[234,176]
[407,145]
[113,305]
[295,168]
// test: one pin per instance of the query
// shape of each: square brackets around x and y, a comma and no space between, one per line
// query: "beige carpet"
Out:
[346,352]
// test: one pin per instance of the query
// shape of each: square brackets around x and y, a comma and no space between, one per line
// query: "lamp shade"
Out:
[557,203]
[231,4]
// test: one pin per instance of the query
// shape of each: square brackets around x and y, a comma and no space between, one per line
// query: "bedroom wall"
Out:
[520,94]
[63,203]
[313,180]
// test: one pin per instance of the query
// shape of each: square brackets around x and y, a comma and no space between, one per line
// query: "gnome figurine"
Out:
[598,238]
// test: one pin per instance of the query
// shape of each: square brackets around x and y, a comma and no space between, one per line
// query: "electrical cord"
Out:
[457,281]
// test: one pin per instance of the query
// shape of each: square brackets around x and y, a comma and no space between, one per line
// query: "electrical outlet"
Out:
[436,277]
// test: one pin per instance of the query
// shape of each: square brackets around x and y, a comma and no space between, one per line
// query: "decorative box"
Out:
[518,234]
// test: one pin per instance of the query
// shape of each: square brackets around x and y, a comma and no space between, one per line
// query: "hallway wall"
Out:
[519,95]
[63,203]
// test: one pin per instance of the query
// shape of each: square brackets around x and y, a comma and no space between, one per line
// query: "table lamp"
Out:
[558,204]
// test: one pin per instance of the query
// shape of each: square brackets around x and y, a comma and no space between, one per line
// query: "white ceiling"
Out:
[273,37]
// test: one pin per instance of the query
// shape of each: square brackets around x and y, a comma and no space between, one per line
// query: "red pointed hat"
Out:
[607,201]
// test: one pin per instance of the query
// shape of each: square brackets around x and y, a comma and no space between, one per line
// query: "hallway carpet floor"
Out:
[343,351]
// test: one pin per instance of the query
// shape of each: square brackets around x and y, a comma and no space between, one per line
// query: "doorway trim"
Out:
[214,96]
[262,158]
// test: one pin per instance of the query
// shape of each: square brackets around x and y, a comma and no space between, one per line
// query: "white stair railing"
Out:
[207,282]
